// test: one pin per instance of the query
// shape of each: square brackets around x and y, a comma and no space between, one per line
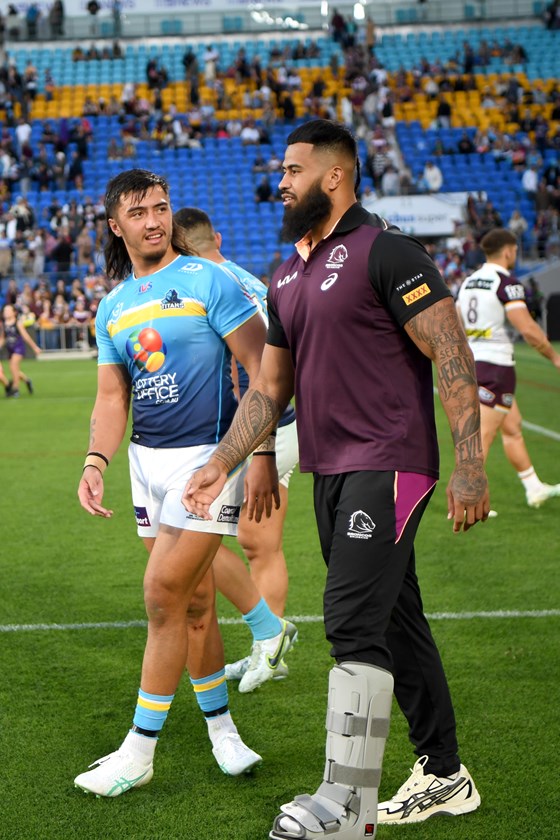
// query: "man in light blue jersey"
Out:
[261,541]
[166,335]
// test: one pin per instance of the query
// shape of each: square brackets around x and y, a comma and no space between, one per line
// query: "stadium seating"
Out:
[219,175]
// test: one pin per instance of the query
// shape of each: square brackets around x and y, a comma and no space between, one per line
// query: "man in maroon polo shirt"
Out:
[357,316]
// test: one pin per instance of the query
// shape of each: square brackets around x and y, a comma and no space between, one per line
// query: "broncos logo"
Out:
[338,255]
[361,523]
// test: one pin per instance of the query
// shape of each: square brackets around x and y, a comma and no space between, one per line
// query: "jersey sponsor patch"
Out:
[416,294]
[409,282]
[479,333]
[515,291]
[485,395]
[361,526]
[192,266]
[229,513]
[287,279]
[326,284]
[479,283]
[142,518]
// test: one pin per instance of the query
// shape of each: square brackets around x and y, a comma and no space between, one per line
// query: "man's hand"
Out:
[204,487]
[261,487]
[90,493]
[468,501]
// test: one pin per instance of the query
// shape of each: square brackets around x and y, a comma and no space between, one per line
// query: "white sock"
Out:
[142,747]
[219,725]
[530,480]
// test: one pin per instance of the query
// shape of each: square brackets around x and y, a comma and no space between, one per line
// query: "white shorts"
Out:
[287,453]
[158,478]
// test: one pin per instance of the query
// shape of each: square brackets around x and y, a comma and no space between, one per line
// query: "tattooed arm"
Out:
[257,415]
[438,333]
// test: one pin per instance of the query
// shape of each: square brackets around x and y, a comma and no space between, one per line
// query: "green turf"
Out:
[67,696]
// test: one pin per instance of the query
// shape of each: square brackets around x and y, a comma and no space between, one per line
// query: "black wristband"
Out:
[99,455]
[273,454]
[94,467]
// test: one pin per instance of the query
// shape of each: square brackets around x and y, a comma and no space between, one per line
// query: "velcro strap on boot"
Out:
[343,796]
[348,724]
[356,777]
[327,818]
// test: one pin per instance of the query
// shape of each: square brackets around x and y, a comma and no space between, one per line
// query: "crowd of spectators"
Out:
[52,269]
[56,162]
[33,23]
[96,53]
[53,264]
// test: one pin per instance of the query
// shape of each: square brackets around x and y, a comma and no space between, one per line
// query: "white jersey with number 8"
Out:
[483,300]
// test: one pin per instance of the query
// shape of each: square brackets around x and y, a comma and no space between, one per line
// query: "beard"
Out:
[315,207]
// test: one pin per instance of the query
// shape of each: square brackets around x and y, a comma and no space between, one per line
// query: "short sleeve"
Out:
[276,335]
[510,291]
[229,304]
[404,275]
[107,353]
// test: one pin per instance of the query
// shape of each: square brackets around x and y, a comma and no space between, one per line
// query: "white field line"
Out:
[533,427]
[298,619]
[540,430]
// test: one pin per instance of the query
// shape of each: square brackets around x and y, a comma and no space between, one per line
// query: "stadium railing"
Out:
[236,18]
[64,338]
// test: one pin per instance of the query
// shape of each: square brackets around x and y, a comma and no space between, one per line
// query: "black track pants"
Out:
[373,607]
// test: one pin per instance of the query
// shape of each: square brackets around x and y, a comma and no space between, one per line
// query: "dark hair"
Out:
[196,227]
[191,216]
[135,182]
[331,136]
[493,241]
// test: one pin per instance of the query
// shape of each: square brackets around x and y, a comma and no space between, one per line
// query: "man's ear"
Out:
[336,177]
[114,227]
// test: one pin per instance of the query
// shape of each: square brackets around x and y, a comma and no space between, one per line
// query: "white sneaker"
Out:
[266,657]
[423,796]
[237,670]
[545,491]
[115,774]
[233,756]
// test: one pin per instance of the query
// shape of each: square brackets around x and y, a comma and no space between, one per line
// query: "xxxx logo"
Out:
[416,294]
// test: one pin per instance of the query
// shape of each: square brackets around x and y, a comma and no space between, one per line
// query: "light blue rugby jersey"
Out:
[255,287]
[168,329]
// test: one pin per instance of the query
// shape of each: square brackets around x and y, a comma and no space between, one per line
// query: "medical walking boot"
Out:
[345,804]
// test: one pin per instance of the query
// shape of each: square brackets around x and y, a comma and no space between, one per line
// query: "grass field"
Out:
[67,690]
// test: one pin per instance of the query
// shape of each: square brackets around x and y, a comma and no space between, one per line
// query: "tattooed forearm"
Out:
[469,448]
[255,418]
[437,329]
[438,332]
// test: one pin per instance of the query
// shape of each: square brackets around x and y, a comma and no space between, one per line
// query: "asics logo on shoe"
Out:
[122,785]
[429,798]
